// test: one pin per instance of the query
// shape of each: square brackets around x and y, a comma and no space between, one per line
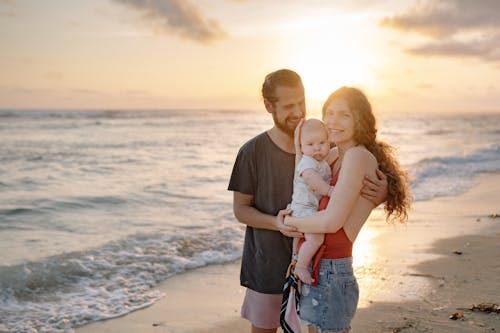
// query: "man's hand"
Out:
[375,189]
[286,229]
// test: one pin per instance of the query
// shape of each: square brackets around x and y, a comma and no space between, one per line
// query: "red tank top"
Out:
[336,245]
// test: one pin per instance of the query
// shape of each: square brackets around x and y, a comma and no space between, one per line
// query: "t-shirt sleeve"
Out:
[307,162]
[243,178]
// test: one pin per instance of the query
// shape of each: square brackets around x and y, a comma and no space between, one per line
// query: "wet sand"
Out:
[412,277]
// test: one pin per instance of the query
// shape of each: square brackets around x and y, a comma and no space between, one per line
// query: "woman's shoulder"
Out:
[360,154]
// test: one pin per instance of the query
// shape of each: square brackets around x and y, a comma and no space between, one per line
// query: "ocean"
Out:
[98,207]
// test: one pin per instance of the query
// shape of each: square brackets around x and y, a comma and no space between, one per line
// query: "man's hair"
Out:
[281,77]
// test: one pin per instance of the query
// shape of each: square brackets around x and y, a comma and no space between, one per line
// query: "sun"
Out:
[328,54]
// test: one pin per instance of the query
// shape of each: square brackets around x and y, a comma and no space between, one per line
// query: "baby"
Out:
[311,182]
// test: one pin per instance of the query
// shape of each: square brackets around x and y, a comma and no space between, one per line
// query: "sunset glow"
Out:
[330,57]
[130,54]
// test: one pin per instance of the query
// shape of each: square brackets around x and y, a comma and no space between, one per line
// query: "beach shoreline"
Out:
[412,277]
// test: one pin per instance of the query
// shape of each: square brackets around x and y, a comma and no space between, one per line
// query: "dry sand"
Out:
[412,277]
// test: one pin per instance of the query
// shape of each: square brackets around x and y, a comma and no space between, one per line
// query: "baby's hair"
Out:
[314,124]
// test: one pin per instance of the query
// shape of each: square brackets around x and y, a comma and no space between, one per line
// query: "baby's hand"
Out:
[330,191]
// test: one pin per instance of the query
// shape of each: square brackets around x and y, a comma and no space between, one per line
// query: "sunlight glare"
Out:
[329,55]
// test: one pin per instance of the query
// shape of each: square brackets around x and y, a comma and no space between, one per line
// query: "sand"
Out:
[412,277]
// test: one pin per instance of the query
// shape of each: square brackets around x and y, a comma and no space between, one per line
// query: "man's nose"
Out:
[298,112]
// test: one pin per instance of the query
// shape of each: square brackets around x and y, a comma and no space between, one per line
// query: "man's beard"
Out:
[284,127]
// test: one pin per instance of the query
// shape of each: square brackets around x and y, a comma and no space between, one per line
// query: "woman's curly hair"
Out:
[365,133]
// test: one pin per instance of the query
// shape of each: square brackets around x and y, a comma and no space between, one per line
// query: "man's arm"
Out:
[375,188]
[247,214]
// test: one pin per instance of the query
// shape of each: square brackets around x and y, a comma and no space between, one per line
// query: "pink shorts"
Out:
[262,310]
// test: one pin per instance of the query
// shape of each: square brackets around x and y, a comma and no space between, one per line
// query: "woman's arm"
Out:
[357,161]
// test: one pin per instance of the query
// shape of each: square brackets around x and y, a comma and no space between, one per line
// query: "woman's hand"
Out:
[375,189]
[286,230]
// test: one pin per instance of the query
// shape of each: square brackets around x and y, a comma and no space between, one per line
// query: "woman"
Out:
[330,305]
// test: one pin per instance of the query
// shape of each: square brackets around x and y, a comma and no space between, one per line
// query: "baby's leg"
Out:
[307,251]
[294,246]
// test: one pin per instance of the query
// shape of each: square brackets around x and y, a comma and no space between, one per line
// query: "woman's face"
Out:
[339,120]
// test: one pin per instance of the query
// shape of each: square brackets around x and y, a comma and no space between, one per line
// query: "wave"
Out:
[69,290]
[162,189]
[39,206]
[62,114]
[17,211]
[452,175]
[439,132]
[101,114]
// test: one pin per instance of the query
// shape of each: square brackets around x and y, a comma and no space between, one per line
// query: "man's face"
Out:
[289,109]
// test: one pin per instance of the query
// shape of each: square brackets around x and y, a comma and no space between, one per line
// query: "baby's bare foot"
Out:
[303,274]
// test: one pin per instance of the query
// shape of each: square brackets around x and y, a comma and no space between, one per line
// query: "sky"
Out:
[407,55]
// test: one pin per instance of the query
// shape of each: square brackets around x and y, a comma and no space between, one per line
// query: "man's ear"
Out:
[269,106]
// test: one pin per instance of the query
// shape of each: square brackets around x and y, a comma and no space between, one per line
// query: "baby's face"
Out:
[314,143]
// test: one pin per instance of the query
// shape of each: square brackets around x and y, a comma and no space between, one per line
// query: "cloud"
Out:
[179,17]
[30,91]
[445,18]
[485,48]
[84,91]
[8,12]
[53,75]
[460,28]
[136,93]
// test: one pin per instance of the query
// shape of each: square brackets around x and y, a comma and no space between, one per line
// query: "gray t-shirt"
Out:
[265,171]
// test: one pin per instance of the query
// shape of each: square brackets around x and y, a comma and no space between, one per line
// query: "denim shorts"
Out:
[332,303]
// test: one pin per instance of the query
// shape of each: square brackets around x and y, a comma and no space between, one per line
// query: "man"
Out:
[262,185]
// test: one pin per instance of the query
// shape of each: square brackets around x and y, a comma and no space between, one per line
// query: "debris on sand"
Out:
[406,324]
[457,315]
[486,307]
